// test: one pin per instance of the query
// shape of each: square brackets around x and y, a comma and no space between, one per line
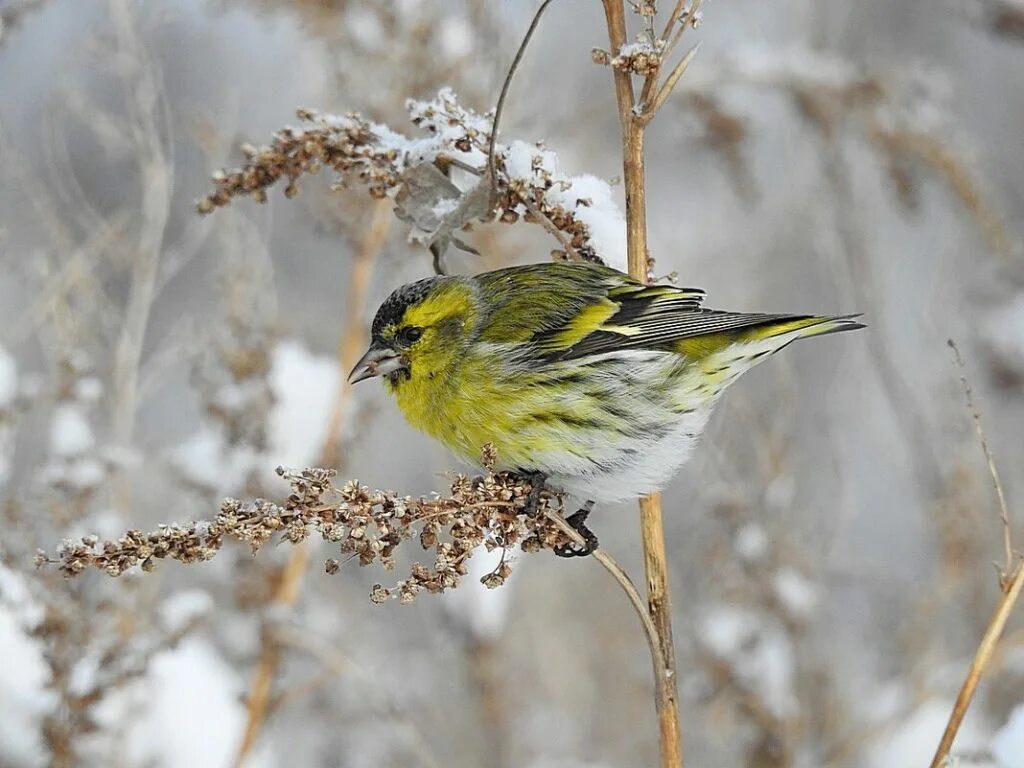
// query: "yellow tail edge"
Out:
[807,326]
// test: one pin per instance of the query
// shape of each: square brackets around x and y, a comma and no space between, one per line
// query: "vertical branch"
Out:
[651,528]
[981,659]
[156,179]
[289,584]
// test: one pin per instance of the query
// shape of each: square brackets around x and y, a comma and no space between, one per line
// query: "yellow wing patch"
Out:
[589,320]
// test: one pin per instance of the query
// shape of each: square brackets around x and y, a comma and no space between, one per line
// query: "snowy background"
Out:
[831,542]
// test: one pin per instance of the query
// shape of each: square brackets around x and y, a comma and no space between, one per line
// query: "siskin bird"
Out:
[577,374]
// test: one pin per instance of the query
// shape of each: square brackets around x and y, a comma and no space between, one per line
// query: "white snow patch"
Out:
[770,64]
[1008,744]
[1004,333]
[919,733]
[456,37]
[185,713]
[798,595]
[205,459]
[184,607]
[84,674]
[24,699]
[482,611]
[88,389]
[8,378]
[304,385]
[364,25]
[758,652]
[588,198]
[751,542]
[70,432]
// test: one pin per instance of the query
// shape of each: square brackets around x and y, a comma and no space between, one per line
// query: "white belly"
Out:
[627,474]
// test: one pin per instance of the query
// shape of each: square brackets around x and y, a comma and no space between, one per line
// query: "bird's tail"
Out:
[805,326]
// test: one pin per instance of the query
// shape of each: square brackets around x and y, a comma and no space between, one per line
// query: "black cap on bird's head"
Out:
[391,335]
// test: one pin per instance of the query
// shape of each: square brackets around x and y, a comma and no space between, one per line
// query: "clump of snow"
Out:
[919,734]
[638,47]
[587,198]
[798,595]
[456,38]
[758,652]
[24,699]
[364,25]
[184,607]
[1008,744]
[205,460]
[482,611]
[751,543]
[88,389]
[590,200]
[304,385]
[1004,334]
[771,63]
[70,431]
[8,394]
[8,378]
[84,674]
[185,712]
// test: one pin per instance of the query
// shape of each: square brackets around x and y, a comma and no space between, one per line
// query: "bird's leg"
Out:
[537,482]
[578,522]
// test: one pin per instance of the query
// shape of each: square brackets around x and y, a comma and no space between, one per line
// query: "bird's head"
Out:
[420,331]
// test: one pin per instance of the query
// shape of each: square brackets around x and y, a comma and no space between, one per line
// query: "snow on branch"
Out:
[439,181]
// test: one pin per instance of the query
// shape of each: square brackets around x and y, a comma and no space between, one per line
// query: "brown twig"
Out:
[668,86]
[1004,513]
[289,584]
[500,108]
[650,104]
[555,232]
[652,531]
[619,574]
[981,659]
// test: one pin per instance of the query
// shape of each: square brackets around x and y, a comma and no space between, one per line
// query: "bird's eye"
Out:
[410,334]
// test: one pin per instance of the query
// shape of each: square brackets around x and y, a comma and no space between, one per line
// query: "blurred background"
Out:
[831,543]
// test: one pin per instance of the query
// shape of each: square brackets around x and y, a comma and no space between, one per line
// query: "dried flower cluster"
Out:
[637,58]
[419,172]
[364,524]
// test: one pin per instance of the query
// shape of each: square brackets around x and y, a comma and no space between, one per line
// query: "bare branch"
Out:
[650,110]
[1004,513]
[981,660]
[500,108]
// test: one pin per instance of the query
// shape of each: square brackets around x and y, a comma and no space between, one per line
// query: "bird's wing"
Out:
[551,307]
[556,302]
[657,317]
[561,311]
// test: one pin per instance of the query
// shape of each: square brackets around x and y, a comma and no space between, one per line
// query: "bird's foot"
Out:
[537,481]
[578,522]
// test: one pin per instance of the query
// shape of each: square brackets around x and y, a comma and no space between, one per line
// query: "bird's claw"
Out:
[537,481]
[578,522]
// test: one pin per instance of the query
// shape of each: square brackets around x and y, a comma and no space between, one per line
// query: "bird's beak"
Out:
[378,361]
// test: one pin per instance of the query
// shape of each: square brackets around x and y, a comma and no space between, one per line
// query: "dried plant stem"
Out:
[1004,513]
[619,574]
[981,659]
[500,108]
[289,584]
[257,704]
[652,531]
